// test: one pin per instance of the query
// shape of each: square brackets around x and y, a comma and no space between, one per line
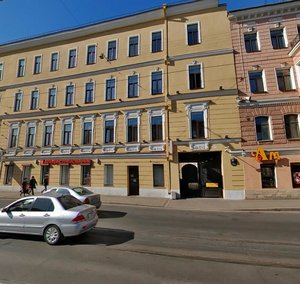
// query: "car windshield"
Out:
[68,201]
[81,190]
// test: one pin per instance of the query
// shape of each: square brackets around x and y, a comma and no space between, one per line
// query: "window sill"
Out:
[254,51]
[286,91]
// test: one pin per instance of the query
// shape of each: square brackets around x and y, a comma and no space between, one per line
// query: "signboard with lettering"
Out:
[65,162]
[260,155]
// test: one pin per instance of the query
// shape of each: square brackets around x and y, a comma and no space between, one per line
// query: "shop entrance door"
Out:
[133,180]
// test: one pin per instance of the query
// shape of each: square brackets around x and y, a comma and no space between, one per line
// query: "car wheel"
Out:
[52,235]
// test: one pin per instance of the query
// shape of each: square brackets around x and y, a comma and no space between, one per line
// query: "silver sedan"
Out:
[81,193]
[53,216]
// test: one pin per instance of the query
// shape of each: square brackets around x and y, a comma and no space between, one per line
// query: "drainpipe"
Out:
[167,128]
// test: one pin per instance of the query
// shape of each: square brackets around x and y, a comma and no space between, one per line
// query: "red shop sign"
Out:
[69,161]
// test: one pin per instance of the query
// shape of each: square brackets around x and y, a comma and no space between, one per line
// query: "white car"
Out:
[52,215]
[81,193]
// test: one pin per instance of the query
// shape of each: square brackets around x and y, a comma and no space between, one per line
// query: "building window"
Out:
[193,34]
[14,133]
[18,101]
[54,62]
[251,42]
[72,58]
[156,40]
[34,103]
[284,80]
[110,91]
[37,69]
[292,126]
[91,54]
[133,48]
[64,177]
[9,171]
[156,128]
[87,134]
[277,38]
[89,93]
[267,173]
[1,71]
[86,175]
[195,77]
[132,130]
[133,86]
[47,135]
[67,133]
[262,124]
[109,131]
[52,97]
[256,81]
[295,171]
[156,83]
[45,172]
[108,175]
[69,95]
[112,50]
[21,68]
[197,120]
[158,176]
[30,137]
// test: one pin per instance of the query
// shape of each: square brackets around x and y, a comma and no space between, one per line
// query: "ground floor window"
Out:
[9,171]
[64,177]
[268,179]
[86,175]
[108,175]
[158,175]
[26,172]
[45,171]
[295,170]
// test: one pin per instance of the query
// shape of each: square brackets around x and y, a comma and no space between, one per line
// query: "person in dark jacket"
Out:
[24,188]
[32,184]
[45,183]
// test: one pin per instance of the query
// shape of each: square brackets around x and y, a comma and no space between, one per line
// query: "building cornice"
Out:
[266,11]
[269,102]
[109,25]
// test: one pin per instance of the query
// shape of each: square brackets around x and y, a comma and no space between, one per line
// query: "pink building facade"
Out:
[267,58]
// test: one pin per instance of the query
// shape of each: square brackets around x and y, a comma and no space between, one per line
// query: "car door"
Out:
[38,217]
[13,218]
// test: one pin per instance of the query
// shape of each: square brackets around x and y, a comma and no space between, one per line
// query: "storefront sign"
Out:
[260,155]
[64,162]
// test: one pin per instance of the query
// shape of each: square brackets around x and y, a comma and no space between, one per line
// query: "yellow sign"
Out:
[260,155]
[212,184]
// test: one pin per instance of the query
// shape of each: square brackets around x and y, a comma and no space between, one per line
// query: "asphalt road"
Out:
[157,245]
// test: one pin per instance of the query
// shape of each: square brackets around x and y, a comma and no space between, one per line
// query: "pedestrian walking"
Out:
[45,183]
[32,184]
[24,188]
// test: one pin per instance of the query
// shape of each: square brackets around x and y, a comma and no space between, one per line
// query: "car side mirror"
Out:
[4,210]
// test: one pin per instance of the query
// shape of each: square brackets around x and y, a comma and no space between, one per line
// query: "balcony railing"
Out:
[295,41]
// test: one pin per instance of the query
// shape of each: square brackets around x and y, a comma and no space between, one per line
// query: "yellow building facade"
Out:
[140,105]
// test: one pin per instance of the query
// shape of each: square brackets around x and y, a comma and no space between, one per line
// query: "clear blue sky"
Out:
[21,19]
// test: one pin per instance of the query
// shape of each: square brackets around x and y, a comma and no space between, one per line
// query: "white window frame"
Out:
[162,40]
[48,123]
[30,124]
[127,85]
[76,59]
[24,70]
[58,57]
[132,114]
[201,74]
[117,45]
[186,32]
[158,69]
[65,121]
[74,93]
[109,116]
[41,63]
[55,103]
[15,125]
[94,86]
[86,53]
[298,119]
[21,101]
[263,76]
[105,175]
[292,76]
[197,107]
[84,119]
[270,128]
[112,77]
[153,113]
[1,70]
[139,45]
[38,99]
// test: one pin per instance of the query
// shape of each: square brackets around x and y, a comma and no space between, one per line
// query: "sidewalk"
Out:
[198,204]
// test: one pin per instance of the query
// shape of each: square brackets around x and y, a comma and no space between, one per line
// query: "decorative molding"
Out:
[199,146]
[28,152]
[109,149]
[65,150]
[46,151]
[157,147]
[132,148]
[11,152]
[86,149]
